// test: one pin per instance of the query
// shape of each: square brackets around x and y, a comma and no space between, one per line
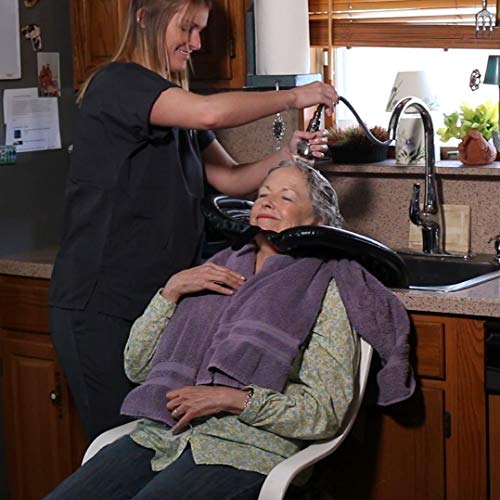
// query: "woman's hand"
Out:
[208,276]
[315,93]
[199,401]
[318,141]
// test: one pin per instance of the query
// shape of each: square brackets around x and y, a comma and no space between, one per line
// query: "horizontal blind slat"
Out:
[397,23]
[342,5]
[346,34]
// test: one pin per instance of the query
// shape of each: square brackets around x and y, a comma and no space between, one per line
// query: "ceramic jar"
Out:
[476,150]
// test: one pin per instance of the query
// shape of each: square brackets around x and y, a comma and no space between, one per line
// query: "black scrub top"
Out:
[132,208]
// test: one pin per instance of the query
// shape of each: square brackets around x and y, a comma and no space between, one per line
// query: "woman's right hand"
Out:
[315,93]
[208,276]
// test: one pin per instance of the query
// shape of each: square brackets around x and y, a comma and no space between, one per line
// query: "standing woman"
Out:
[142,151]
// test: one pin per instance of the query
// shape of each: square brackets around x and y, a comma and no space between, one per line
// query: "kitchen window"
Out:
[365,76]
[370,41]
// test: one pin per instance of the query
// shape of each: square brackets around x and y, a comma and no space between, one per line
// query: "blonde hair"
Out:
[144,42]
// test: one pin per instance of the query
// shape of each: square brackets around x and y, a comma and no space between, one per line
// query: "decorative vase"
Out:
[358,153]
[476,150]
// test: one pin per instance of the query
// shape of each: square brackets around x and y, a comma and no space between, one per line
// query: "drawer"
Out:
[429,348]
[24,304]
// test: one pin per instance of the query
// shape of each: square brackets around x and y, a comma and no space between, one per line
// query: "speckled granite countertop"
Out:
[482,300]
[34,264]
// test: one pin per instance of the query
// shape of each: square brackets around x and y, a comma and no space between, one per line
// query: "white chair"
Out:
[277,482]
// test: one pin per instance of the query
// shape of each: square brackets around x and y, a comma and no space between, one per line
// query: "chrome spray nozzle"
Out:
[304,147]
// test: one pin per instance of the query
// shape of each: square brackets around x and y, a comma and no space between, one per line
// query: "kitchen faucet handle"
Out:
[414,211]
[496,244]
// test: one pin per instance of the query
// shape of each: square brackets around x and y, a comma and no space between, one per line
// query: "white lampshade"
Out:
[412,83]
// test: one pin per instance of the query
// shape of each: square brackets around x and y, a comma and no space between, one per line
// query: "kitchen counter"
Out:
[482,300]
[34,264]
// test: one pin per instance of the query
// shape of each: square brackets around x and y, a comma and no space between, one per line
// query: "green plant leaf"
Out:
[483,118]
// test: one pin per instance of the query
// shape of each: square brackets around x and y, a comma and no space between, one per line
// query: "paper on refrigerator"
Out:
[32,122]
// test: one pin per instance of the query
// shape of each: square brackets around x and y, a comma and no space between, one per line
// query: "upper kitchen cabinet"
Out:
[221,62]
[95,28]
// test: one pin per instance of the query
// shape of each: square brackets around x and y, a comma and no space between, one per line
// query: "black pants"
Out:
[122,470]
[90,345]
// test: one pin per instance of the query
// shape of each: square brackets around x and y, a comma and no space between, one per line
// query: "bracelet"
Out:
[248,400]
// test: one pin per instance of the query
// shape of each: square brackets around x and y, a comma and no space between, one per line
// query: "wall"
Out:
[31,191]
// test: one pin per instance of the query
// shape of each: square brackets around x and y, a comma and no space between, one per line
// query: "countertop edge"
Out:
[13,267]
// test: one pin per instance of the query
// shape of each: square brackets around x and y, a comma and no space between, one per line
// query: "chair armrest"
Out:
[107,438]
[277,482]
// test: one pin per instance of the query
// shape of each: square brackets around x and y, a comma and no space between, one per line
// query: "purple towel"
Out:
[253,336]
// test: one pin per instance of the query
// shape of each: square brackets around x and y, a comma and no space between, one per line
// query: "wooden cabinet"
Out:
[433,446]
[221,63]
[43,436]
[95,28]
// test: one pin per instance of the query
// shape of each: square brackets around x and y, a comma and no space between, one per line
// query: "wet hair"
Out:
[323,197]
[144,42]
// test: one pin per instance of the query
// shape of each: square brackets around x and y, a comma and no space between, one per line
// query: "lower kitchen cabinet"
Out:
[431,447]
[43,436]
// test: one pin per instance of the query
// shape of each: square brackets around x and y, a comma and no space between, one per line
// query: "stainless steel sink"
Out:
[445,273]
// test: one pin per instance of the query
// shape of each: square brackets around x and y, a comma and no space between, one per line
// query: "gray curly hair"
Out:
[323,197]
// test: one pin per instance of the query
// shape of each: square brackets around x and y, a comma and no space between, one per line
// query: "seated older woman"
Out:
[241,361]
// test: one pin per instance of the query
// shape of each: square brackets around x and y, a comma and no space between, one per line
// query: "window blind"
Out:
[396,23]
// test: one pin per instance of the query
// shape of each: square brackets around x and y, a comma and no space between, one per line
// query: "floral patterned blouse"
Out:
[274,425]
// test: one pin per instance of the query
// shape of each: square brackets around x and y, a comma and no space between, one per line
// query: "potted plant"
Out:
[474,127]
[351,145]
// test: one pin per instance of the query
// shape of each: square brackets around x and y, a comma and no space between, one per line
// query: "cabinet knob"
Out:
[497,247]
[55,397]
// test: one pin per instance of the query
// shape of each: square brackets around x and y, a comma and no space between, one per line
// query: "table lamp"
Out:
[492,77]
[410,138]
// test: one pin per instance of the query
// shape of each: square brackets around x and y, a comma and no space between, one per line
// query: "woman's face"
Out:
[283,201]
[182,36]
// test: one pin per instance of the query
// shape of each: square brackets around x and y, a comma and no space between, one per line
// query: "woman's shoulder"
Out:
[125,70]
[119,76]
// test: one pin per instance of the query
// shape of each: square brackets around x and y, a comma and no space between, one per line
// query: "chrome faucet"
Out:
[430,219]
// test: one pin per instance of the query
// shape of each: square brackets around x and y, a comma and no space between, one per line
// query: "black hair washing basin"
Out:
[449,273]
[418,271]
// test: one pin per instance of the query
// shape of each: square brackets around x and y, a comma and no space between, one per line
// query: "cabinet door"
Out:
[221,61]
[410,456]
[392,454]
[462,378]
[39,439]
[95,27]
